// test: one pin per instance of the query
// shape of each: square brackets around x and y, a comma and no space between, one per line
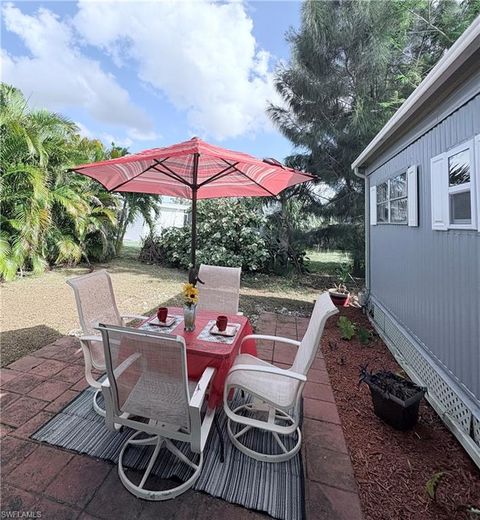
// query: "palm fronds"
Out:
[48,216]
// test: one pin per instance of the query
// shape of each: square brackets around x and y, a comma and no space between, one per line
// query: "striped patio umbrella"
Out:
[194,170]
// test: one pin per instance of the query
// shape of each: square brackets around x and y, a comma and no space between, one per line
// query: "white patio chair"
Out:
[147,380]
[220,290]
[96,304]
[276,392]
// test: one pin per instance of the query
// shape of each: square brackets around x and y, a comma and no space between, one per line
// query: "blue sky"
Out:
[148,74]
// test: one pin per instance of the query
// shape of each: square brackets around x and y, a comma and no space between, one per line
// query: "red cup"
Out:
[222,322]
[162,314]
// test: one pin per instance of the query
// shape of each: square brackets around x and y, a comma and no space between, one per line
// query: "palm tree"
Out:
[133,205]
[46,214]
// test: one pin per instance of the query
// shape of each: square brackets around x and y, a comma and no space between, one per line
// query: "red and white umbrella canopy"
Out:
[194,169]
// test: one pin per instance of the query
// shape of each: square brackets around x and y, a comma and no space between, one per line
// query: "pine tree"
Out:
[353,63]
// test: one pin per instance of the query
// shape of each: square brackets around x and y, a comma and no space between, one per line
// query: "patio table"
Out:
[209,351]
[205,350]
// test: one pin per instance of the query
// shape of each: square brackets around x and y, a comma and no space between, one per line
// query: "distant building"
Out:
[422,180]
[173,213]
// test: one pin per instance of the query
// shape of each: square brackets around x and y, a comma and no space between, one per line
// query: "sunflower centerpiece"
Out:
[190,299]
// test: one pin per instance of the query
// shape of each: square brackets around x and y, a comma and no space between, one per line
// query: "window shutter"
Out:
[412,192]
[373,205]
[476,176]
[439,188]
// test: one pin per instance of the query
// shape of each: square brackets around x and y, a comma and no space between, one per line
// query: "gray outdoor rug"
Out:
[273,488]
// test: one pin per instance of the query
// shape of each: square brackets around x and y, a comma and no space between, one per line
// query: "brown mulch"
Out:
[392,468]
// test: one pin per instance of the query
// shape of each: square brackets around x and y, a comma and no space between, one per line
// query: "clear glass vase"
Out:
[189,317]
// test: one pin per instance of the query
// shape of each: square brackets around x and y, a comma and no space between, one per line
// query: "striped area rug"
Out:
[276,489]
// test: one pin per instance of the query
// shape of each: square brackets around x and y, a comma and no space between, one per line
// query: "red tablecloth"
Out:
[202,354]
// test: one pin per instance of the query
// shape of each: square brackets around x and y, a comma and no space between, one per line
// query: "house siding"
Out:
[429,281]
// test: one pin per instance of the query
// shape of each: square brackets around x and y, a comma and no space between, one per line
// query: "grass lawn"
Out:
[36,310]
[326,262]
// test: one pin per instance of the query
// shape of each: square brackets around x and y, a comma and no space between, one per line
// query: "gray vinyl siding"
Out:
[429,281]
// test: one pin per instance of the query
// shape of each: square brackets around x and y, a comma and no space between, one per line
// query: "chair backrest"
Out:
[220,290]
[147,372]
[95,300]
[323,309]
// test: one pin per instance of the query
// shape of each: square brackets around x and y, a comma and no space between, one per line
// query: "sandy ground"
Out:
[36,310]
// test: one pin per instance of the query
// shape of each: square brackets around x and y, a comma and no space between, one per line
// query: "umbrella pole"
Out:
[194,226]
[193,273]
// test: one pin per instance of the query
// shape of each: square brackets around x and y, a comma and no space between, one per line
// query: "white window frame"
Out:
[389,200]
[462,188]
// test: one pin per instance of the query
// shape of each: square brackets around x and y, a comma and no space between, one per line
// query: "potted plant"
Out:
[396,400]
[339,293]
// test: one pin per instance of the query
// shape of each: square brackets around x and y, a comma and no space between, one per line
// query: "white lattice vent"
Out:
[379,316]
[426,373]
[476,430]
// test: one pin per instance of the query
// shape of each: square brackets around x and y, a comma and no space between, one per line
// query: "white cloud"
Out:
[84,131]
[202,56]
[105,137]
[109,139]
[57,75]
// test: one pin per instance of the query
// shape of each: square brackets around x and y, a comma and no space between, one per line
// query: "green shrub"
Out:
[364,336]
[229,233]
[347,328]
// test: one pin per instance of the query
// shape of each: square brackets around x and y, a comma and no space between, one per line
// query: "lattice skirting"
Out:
[443,394]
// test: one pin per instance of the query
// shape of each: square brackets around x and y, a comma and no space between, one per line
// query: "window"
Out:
[392,205]
[453,188]
[459,187]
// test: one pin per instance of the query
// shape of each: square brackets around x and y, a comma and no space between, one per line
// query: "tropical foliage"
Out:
[288,223]
[48,215]
[353,63]
[132,206]
[229,233]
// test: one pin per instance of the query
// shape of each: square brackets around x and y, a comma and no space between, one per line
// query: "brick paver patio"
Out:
[62,485]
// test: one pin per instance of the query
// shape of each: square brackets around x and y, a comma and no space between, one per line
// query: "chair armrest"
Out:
[278,339]
[268,370]
[90,338]
[200,390]
[131,317]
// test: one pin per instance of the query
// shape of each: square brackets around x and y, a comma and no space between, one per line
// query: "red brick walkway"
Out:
[62,485]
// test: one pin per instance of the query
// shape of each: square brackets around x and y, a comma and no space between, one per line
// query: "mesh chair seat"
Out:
[157,398]
[273,388]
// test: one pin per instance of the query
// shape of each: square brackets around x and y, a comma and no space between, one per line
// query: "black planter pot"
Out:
[401,414]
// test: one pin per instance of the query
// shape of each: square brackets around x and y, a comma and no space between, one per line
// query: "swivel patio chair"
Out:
[96,304]
[147,389]
[275,392]
[220,290]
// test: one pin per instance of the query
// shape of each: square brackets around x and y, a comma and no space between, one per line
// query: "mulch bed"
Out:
[392,468]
